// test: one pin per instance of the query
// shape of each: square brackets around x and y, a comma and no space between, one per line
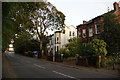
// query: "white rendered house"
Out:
[60,38]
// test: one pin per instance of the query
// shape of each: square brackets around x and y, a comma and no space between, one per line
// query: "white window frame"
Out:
[57,48]
[84,33]
[70,33]
[79,33]
[57,39]
[73,33]
[90,32]
[96,28]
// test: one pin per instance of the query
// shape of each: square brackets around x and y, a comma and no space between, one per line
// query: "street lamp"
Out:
[53,56]
[62,57]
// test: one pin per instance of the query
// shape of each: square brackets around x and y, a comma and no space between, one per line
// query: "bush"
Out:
[113,60]
[98,47]
[103,62]
[110,61]
[75,46]
[65,52]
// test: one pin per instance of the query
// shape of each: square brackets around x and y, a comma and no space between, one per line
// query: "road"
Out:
[18,66]
[0,65]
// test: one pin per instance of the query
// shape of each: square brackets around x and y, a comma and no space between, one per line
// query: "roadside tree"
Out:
[30,17]
[111,33]
[46,17]
[24,43]
[98,47]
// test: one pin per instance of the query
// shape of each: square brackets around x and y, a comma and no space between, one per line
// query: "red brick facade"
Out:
[91,29]
[117,10]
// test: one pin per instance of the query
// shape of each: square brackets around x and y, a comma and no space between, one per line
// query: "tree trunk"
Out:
[40,53]
[39,35]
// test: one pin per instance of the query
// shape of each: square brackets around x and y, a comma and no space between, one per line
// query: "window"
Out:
[84,44]
[57,39]
[79,33]
[57,48]
[90,32]
[84,33]
[51,42]
[73,33]
[63,31]
[70,33]
[97,28]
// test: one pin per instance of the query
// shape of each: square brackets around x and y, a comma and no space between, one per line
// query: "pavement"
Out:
[73,65]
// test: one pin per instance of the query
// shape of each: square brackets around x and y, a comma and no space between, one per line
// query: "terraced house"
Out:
[91,29]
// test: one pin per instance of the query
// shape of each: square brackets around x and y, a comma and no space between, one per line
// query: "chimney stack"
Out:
[119,4]
[84,22]
[116,6]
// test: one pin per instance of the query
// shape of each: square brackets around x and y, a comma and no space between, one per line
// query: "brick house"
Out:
[92,28]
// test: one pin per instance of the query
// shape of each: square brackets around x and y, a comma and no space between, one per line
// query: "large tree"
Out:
[111,34]
[13,16]
[46,17]
[33,17]
[7,25]
[25,42]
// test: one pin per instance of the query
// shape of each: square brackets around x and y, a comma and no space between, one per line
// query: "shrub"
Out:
[65,52]
[98,47]
[104,62]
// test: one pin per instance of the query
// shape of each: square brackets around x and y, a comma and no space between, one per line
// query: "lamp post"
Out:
[53,56]
[62,57]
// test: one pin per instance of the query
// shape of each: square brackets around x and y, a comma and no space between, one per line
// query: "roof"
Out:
[67,27]
[90,21]
[117,11]
[57,31]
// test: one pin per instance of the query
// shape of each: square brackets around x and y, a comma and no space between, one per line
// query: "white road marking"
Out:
[40,66]
[63,74]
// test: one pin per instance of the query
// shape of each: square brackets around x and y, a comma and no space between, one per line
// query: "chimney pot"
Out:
[84,22]
[116,5]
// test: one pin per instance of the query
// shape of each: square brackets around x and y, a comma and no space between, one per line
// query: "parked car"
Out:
[35,53]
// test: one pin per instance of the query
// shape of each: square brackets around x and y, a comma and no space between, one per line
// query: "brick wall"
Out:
[90,24]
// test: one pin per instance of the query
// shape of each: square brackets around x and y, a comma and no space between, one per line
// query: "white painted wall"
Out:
[63,38]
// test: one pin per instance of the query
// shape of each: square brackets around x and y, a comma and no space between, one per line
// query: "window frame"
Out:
[84,33]
[98,29]
[90,32]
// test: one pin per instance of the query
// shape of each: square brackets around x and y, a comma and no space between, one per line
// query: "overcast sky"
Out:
[78,10]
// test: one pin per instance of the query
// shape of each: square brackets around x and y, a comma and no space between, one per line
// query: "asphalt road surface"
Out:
[0,65]
[18,66]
